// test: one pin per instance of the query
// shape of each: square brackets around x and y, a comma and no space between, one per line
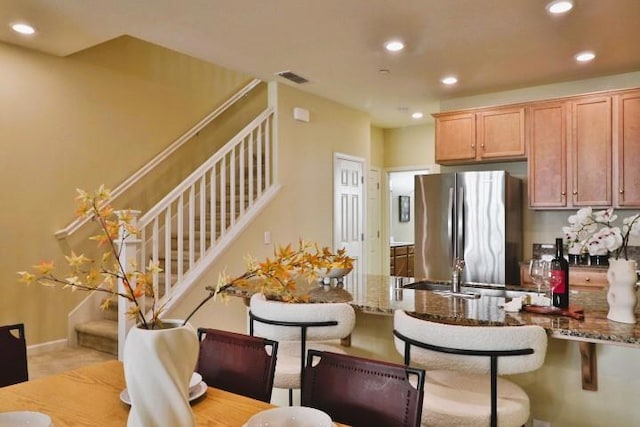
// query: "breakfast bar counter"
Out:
[382,295]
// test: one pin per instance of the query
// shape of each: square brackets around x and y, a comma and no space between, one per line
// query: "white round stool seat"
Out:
[459,400]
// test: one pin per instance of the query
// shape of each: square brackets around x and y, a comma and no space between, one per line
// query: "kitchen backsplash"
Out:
[548,250]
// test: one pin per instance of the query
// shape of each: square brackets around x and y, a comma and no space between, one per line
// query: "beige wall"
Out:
[77,122]
[409,147]
[377,147]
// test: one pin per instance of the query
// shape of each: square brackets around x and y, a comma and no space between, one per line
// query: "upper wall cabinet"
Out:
[590,156]
[628,149]
[548,154]
[570,149]
[483,135]
[583,151]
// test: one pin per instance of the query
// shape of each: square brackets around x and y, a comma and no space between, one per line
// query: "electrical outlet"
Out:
[267,237]
[540,423]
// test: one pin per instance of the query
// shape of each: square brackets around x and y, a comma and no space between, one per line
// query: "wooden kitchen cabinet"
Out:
[579,276]
[455,137]
[548,154]
[493,134]
[500,133]
[570,152]
[591,151]
[627,190]
[401,260]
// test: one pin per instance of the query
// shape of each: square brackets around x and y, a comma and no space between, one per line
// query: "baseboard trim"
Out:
[45,347]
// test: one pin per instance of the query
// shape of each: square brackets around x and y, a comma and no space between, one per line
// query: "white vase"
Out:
[158,365]
[621,296]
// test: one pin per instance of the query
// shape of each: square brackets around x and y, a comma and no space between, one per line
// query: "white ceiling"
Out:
[491,45]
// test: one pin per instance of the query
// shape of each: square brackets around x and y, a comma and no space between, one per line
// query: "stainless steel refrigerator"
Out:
[475,216]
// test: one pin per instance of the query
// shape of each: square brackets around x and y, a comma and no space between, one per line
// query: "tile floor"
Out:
[56,361]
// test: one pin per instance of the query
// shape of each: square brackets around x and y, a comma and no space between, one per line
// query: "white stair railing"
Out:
[185,230]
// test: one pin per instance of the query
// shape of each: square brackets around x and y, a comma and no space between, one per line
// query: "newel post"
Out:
[128,248]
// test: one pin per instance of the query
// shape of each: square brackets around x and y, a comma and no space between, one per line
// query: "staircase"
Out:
[191,226]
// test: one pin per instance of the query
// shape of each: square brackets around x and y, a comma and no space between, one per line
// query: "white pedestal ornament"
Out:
[158,365]
[621,295]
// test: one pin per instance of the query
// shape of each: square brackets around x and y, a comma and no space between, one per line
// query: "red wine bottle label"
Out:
[558,284]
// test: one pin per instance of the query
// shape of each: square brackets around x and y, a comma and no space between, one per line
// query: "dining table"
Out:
[90,396]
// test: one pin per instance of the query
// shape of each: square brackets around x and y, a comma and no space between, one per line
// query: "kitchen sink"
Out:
[468,290]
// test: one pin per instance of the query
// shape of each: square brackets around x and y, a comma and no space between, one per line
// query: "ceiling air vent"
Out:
[293,77]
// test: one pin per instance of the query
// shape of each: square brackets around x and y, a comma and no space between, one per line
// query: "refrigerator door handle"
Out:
[451,226]
[460,229]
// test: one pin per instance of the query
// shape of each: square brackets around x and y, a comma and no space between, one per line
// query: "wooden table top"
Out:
[90,396]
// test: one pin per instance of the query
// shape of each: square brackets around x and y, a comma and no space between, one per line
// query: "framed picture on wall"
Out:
[404,208]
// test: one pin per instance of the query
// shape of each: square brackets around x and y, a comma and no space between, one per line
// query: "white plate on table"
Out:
[290,416]
[25,419]
[195,392]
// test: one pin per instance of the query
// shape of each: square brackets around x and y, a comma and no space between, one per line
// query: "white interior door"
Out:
[374,223]
[348,189]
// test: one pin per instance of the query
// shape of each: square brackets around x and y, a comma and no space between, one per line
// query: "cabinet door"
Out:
[500,134]
[548,155]
[591,151]
[410,261]
[628,128]
[455,137]
[402,261]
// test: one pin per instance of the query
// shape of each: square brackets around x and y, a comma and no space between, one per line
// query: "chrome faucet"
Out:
[456,275]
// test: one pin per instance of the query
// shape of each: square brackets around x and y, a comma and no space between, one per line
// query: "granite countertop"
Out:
[383,294]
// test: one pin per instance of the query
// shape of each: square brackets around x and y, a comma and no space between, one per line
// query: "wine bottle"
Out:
[559,278]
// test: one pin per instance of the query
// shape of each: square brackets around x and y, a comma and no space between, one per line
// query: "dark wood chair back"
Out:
[238,363]
[13,355]
[363,392]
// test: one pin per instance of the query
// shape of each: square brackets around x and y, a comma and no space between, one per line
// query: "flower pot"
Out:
[598,260]
[158,365]
[621,296]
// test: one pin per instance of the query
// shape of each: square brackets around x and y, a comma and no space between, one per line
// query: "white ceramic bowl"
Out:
[24,419]
[195,381]
[290,416]
[334,273]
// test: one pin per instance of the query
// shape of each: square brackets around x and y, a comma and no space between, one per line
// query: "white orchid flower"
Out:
[610,238]
[583,227]
[631,225]
[606,216]
[584,216]
[570,235]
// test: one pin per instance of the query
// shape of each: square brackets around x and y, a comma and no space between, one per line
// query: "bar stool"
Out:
[462,385]
[298,327]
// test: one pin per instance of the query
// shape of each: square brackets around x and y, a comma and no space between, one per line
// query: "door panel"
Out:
[374,223]
[349,210]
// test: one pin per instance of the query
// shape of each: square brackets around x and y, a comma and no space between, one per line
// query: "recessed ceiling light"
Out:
[585,56]
[560,6]
[449,80]
[417,115]
[394,45]
[23,28]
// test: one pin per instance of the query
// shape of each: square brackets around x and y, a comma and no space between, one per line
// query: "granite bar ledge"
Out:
[382,295]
